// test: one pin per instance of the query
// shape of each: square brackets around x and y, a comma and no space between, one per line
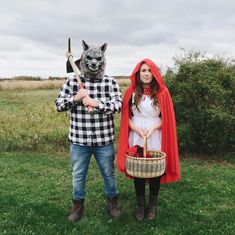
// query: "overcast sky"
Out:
[34,33]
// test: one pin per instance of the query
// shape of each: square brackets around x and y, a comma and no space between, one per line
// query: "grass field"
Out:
[36,192]
[35,181]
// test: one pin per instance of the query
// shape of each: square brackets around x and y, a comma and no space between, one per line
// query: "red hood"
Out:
[154,70]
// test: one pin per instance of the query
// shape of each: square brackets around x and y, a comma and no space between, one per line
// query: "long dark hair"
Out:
[139,91]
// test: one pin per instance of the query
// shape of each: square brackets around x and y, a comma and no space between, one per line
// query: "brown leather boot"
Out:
[140,208]
[152,207]
[112,207]
[77,210]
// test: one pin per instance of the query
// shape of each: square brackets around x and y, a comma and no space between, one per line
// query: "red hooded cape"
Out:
[169,135]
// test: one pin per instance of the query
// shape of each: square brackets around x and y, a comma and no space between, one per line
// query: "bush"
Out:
[203,93]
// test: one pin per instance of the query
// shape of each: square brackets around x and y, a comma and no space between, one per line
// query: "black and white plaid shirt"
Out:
[96,128]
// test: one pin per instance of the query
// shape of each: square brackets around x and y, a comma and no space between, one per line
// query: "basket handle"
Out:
[145,147]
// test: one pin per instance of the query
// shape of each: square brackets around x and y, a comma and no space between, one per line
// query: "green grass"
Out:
[35,181]
[36,192]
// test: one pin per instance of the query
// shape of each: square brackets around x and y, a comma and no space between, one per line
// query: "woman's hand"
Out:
[141,132]
[150,130]
[138,130]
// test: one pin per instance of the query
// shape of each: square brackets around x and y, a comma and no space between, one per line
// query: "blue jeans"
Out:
[80,158]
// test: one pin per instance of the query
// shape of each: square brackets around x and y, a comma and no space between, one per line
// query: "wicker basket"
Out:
[150,167]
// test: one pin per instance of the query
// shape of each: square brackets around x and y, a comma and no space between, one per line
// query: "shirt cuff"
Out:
[100,107]
[71,100]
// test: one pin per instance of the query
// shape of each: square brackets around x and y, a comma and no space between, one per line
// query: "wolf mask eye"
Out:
[89,57]
[98,58]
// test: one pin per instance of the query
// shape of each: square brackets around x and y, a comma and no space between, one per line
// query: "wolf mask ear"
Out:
[103,47]
[85,46]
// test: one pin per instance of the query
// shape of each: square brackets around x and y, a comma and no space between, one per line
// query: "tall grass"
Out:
[29,85]
[30,122]
[51,83]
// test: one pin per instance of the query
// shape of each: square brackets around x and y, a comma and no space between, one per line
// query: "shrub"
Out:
[203,93]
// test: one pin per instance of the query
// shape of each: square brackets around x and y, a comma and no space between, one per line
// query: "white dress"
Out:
[146,118]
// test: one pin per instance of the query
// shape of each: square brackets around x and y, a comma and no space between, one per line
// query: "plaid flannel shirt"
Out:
[96,128]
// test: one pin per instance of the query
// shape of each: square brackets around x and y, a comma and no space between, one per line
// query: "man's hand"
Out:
[82,93]
[88,101]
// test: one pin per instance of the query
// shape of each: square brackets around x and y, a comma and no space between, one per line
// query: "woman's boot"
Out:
[140,208]
[152,207]
[154,187]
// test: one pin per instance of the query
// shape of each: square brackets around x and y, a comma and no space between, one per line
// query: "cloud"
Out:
[34,34]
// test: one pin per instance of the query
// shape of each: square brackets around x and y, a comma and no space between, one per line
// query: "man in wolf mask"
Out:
[91,132]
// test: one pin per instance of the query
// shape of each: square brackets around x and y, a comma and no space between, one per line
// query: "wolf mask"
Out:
[92,62]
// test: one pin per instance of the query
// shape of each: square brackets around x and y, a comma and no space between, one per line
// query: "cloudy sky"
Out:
[34,33]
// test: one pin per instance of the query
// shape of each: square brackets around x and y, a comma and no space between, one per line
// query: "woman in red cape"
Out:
[168,126]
